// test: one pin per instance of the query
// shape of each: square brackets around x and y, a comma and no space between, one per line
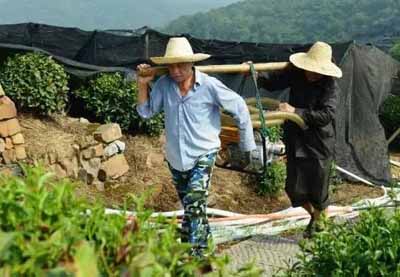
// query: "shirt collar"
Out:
[198,78]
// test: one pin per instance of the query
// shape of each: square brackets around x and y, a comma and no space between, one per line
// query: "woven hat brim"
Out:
[303,61]
[180,59]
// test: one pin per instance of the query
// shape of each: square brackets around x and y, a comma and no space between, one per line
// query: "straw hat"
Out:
[179,51]
[318,59]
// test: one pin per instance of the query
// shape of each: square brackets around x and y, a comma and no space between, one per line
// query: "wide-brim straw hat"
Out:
[318,59]
[179,51]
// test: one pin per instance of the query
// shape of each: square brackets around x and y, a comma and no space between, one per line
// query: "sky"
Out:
[102,14]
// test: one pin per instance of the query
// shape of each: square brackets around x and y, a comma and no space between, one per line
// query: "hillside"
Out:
[287,21]
[102,14]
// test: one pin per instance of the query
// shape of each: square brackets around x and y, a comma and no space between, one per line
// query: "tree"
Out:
[395,51]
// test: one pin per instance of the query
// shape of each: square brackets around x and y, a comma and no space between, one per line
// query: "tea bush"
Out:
[46,231]
[273,180]
[369,247]
[275,133]
[111,99]
[390,114]
[35,82]
[395,51]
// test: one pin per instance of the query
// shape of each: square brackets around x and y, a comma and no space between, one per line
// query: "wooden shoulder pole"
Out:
[225,68]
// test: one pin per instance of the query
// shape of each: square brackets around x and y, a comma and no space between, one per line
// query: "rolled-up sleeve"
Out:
[234,104]
[154,104]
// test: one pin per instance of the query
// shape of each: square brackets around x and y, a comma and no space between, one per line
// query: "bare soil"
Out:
[230,190]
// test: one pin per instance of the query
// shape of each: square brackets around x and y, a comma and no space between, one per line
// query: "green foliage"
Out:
[390,114]
[112,99]
[395,51]
[45,230]
[287,21]
[273,180]
[275,133]
[35,82]
[369,247]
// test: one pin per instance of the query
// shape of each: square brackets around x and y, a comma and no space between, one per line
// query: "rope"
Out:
[264,130]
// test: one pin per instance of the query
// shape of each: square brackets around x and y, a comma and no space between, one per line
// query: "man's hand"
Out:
[285,107]
[144,78]
[143,81]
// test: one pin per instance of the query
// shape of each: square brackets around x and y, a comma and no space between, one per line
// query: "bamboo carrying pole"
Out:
[225,68]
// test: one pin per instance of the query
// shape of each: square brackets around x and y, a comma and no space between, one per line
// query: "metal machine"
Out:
[231,157]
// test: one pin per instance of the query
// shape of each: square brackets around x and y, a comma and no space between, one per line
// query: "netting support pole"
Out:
[392,137]
[146,46]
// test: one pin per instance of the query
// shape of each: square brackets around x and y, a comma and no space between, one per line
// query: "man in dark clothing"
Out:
[310,77]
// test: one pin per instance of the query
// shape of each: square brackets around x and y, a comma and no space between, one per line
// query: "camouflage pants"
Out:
[192,187]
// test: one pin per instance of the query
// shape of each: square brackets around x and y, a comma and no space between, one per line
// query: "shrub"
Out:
[395,51]
[46,231]
[111,99]
[369,247]
[275,133]
[35,82]
[390,114]
[273,180]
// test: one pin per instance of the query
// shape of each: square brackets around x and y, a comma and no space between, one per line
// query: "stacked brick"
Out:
[102,158]
[12,143]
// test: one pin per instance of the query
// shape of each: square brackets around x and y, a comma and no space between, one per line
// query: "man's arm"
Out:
[325,112]
[234,104]
[148,104]
[277,80]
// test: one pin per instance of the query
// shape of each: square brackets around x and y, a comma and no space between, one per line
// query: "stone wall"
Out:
[12,143]
[94,159]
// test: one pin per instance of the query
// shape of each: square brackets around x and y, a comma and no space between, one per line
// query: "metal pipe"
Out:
[354,176]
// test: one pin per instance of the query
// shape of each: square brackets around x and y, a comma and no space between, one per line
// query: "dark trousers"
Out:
[308,181]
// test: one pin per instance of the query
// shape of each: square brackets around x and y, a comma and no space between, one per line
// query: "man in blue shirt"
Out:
[191,101]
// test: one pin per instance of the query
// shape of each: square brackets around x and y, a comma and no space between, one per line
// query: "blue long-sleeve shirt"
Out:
[192,122]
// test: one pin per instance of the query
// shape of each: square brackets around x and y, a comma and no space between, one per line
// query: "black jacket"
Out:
[315,102]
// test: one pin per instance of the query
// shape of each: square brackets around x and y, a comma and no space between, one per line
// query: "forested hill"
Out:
[293,21]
